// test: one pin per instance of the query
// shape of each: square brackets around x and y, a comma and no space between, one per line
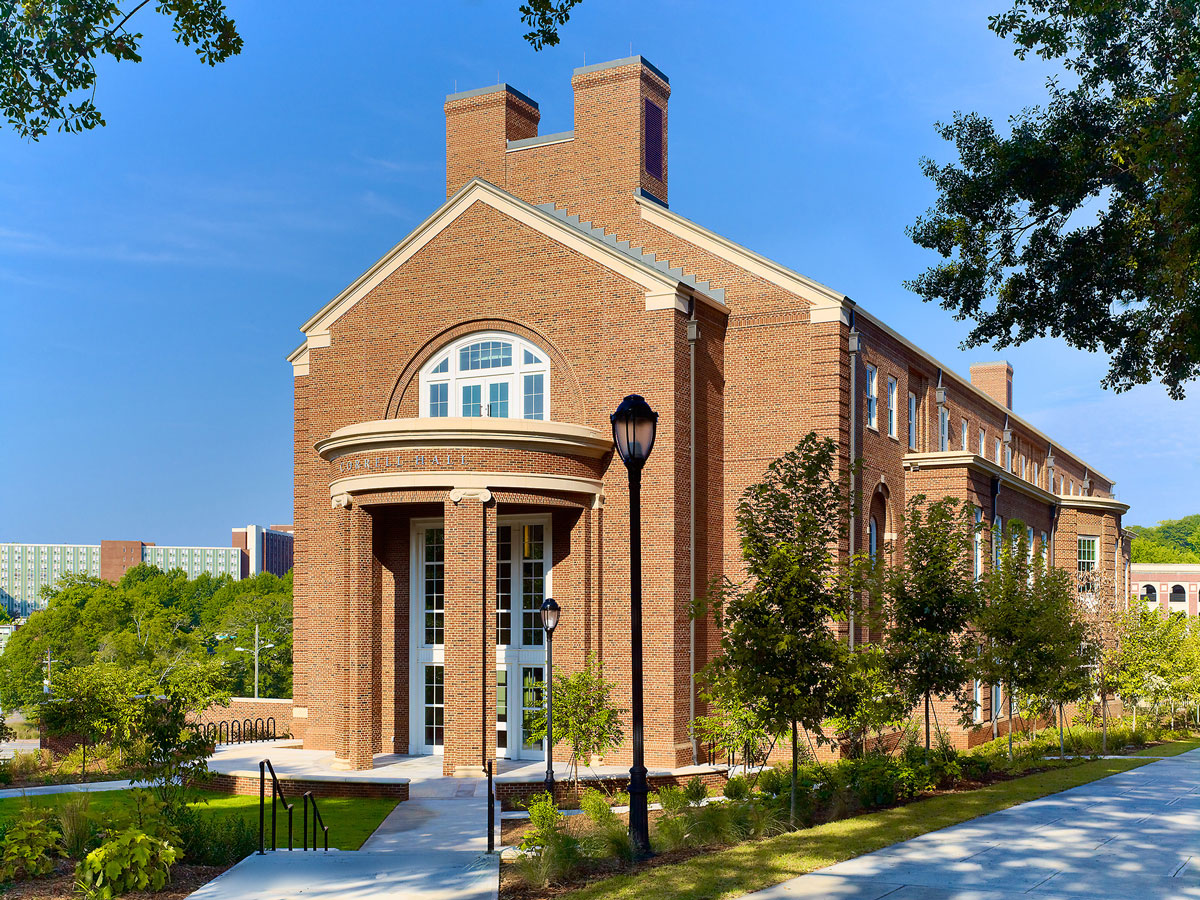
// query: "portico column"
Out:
[359,718]
[470,635]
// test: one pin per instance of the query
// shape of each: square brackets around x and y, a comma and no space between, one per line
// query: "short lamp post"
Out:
[550,612]
[257,647]
[634,425]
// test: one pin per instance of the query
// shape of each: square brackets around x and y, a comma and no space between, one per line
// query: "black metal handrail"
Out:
[276,792]
[491,800]
[317,820]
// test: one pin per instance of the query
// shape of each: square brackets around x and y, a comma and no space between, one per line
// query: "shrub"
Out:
[737,788]
[207,841]
[772,781]
[545,821]
[672,833]
[5,773]
[595,806]
[29,846]
[132,860]
[24,766]
[672,800]
[695,791]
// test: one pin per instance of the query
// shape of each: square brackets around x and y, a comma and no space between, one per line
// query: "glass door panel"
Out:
[435,708]
[532,705]
[502,712]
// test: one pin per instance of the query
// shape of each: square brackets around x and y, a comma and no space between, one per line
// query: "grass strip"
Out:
[1171,748]
[351,820]
[760,864]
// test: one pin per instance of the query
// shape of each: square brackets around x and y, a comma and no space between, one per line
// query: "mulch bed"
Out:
[185,880]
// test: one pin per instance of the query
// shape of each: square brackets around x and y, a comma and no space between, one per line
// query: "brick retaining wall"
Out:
[295,788]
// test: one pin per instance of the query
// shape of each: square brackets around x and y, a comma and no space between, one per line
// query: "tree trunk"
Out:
[927,728]
[1104,724]
[1010,723]
[1062,752]
[795,767]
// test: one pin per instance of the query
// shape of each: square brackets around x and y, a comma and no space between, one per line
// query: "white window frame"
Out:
[978,543]
[966,435]
[943,429]
[872,397]
[983,443]
[912,421]
[1083,564]
[513,375]
[892,387]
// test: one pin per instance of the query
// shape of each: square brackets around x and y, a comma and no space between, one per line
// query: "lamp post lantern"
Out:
[634,425]
[550,612]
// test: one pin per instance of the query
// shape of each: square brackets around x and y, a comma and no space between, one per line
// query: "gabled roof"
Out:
[642,268]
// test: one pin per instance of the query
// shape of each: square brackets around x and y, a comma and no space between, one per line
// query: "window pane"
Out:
[485,355]
[531,360]
[533,587]
[504,585]
[534,399]
[434,586]
[498,400]
[434,706]
[442,367]
[472,405]
[439,399]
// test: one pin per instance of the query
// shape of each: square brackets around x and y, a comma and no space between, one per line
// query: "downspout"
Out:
[693,333]
[855,346]
[995,710]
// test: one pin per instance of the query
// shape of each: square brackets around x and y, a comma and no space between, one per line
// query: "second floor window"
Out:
[496,375]
[891,410]
[872,397]
[943,429]
[912,421]
[1087,554]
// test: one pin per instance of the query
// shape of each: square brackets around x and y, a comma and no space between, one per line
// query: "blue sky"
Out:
[153,273]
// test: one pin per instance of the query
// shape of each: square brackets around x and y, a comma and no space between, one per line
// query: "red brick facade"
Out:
[772,359]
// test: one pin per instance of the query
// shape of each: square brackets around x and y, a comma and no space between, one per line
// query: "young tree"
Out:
[734,723]
[1103,622]
[1079,222]
[95,703]
[1064,675]
[778,649]
[1144,667]
[875,703]
[1021,625]
[929,600]
[585,716]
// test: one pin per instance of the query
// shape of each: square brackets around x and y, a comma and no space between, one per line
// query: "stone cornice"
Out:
[964,459]
[457,432]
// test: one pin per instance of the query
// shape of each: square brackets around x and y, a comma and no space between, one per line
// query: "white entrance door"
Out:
[523,574]
[427,695]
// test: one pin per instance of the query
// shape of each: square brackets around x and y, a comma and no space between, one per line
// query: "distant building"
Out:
[264,549]
[6,631]
[1170,586]
[25,569]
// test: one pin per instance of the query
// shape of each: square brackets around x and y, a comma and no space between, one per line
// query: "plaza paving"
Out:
[1135,835]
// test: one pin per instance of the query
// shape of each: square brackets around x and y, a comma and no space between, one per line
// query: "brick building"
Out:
[453,455]
[1173,587]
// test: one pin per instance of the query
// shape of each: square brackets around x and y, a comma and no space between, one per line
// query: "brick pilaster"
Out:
[358,738]
[470,628]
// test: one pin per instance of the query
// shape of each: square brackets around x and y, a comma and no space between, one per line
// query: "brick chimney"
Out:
[618,145]
[479,125]
[995,380]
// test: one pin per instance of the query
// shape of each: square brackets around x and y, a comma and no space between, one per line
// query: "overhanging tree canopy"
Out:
[1083,222]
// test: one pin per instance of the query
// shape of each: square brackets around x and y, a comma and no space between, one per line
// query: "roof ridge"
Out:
[645,257]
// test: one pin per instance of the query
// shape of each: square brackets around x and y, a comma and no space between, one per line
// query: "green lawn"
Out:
[760,864]
[350,821]
[1171,748]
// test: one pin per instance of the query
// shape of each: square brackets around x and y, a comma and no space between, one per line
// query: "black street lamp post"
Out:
[634,425]
[550,612]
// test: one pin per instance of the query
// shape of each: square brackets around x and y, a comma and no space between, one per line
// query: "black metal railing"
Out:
[491,801]
[242,731]
[276,794]
[317,820]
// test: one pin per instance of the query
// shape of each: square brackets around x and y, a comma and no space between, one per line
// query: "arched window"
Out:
[1178,599]
[873,538]
[487,374]
[1149,595]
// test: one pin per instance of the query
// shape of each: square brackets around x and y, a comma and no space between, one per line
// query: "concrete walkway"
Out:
[1132,835]
[433,846]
